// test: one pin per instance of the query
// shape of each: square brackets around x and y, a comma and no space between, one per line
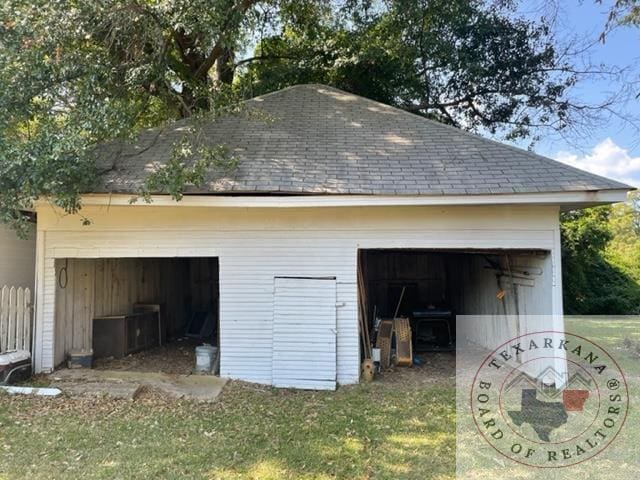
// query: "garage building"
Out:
[329,185]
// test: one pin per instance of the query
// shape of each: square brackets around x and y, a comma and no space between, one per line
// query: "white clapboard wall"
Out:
[254,245]
[304,333]
[15,319]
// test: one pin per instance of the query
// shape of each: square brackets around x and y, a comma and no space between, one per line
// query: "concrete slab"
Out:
[125,384]
[125,391]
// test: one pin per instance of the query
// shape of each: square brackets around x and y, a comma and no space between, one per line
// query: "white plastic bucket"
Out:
[375,354]
[205,357]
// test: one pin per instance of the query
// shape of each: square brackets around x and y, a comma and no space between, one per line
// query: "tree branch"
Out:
[218,48]
[260,58]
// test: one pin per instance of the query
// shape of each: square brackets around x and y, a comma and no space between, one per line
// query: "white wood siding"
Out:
[254,245]
[479,287]
[17,258]
[304,333]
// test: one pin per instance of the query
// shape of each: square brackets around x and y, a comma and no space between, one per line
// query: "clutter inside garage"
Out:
[146,314]
[409,300]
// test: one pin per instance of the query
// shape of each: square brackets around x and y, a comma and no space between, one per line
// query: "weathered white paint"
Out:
[42,392]
[524,299]
[15,319]
[254,245]
[567,200]
[525,308]
[304,333]
[17,258]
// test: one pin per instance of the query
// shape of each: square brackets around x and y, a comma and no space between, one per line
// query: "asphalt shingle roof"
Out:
[314,139]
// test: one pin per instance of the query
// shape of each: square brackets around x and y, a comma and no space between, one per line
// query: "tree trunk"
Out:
[194,101]
[224,67]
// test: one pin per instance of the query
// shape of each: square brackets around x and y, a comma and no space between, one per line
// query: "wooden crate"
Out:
[120,335]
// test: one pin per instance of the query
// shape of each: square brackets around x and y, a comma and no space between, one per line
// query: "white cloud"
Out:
[606,159]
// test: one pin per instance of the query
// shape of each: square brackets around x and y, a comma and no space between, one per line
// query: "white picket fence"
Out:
[15,318]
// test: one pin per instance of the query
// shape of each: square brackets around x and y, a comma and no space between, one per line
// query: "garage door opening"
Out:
[136,314]
[426,289]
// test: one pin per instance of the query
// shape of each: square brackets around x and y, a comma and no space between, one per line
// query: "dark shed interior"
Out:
[431,287]
[185,290]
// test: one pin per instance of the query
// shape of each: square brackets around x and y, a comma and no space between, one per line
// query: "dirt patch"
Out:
[177,358]
[434,367]
[126,384]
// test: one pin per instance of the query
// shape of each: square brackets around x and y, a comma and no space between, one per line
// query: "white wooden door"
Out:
[304,333]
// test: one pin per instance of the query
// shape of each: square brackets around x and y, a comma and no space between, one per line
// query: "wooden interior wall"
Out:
[474,287]
[502,319]
[460,281]
[424,273]
[474,284]
[204,284]
[111,286]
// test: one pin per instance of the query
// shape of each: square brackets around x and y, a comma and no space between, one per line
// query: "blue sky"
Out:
[612,148]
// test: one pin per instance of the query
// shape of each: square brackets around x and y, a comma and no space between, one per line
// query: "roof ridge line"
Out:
[269,94]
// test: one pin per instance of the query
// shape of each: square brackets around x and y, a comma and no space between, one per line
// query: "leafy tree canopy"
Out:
[601,259]
[74,73]
[459,62]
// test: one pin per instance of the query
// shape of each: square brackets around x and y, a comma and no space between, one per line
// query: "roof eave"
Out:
[566,200]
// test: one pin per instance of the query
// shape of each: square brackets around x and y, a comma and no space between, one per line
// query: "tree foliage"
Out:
[457,61]
[623,12]
[601,259]
[74,74]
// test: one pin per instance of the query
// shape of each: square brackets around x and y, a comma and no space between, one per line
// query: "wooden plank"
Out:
[307,384]
[78,307]
[121,285]
[107,287]
[305,358]
[11,329]
[99,290]
[60,318]
[28,319]
[134,279]
[4,319]
[115,286]
[68,312]
[19,339]
[294,347]
[88,301]
[142,277]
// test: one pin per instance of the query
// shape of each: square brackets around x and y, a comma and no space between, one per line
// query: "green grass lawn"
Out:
[379,430]
[398,429]
[612,334]
[619,336]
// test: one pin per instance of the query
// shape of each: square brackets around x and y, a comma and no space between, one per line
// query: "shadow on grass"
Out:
[367,431]
[362,432]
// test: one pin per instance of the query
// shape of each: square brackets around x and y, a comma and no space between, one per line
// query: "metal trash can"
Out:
[205,358]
